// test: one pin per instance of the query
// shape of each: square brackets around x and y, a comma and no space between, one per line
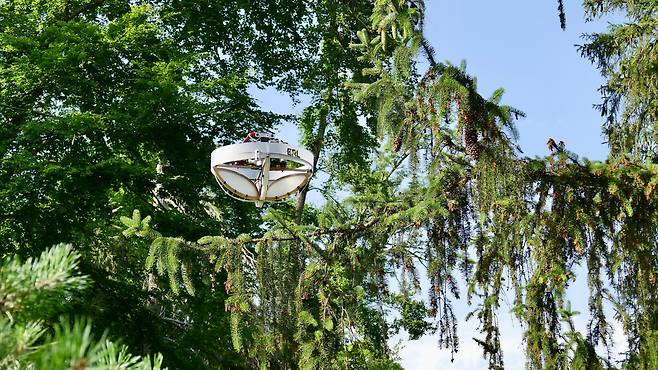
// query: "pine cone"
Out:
[473,148]
[397,143]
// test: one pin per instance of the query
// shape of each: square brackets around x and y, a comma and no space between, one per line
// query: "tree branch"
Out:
[317,148]
[429,51]
[67,16]
[332,231]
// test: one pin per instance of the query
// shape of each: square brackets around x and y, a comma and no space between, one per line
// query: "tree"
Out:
[31,294]
[99,106]
[450,194]
[626,57]
[110,106]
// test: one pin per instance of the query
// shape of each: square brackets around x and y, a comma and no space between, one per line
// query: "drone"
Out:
[261,168]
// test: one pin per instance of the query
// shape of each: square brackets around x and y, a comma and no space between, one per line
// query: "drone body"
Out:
[261,169]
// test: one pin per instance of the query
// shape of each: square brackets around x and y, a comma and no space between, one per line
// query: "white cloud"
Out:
[425,354]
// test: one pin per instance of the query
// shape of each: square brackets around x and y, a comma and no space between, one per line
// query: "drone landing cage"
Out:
[261,171]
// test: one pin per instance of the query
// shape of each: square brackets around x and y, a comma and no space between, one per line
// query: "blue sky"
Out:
[517,45]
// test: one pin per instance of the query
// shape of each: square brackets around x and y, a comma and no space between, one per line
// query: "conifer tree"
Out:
[31,294]
[627,56]
[450,194]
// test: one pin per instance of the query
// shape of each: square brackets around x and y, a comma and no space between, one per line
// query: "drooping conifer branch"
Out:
[561,14]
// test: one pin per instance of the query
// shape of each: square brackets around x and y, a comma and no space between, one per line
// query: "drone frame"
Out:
[261,171]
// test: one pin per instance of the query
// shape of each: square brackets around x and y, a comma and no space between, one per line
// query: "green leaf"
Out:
[328,324]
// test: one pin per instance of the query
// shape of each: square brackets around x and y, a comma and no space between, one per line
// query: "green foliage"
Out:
[111,106]
[72,346]
[163,253]
[626,55]
[585,357]
[454,197]
[114,106]
[31,293]
[413,314]
[37,285]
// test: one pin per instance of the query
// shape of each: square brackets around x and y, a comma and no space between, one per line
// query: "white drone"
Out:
[261,169]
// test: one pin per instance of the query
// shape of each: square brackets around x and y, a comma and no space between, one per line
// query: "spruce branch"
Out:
[341,230]
[561,14]
[33,285]
[429,51]
[30,293]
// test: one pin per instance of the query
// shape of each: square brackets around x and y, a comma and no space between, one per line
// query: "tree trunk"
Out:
[316,150]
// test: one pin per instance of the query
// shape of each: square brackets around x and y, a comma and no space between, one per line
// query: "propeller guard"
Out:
[261,171]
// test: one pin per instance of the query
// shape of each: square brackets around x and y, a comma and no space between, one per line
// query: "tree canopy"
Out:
[109,111]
